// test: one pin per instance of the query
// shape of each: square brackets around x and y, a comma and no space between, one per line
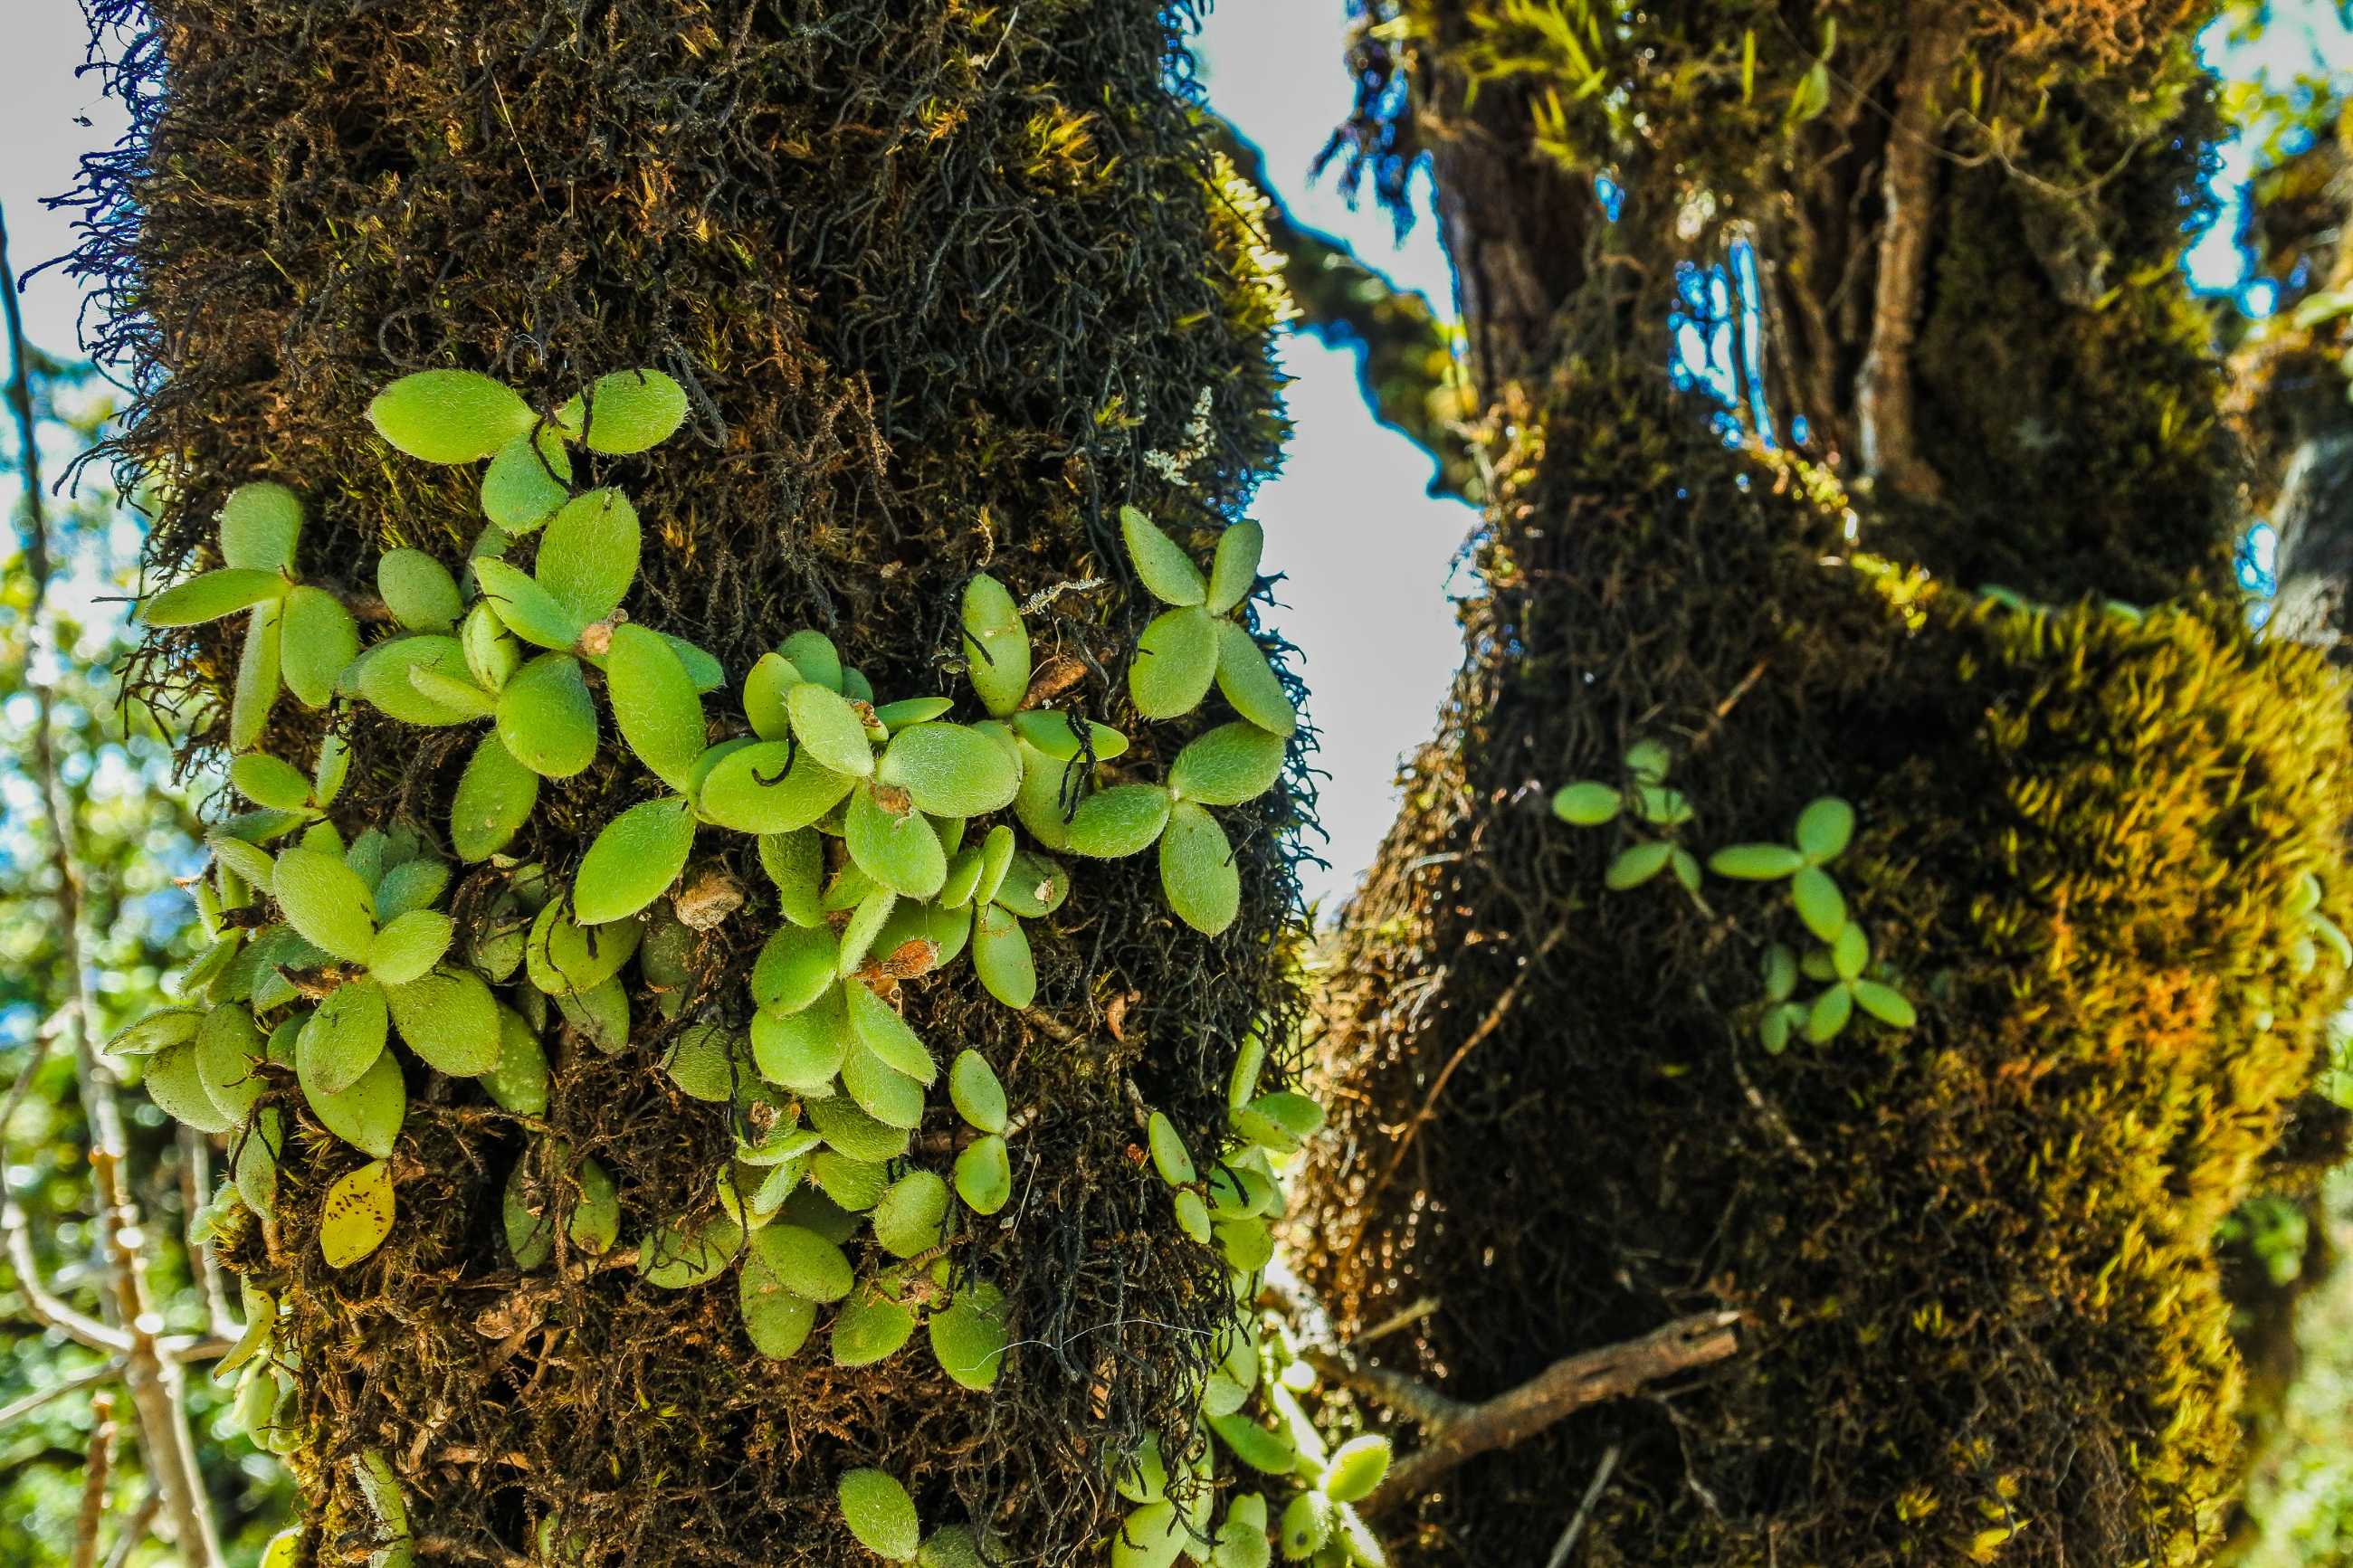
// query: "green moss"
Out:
[1984,1320]
[938,281]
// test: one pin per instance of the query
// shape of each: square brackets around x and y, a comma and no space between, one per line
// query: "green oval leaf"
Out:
[267,780]
[526,609]
[527,482]
[635,860]
[318,639]
[770,786]
[546,718]
[256,677]
[450,1019]
[975,1091]
[1227,765]
[900,850]
[776,1320]
[948,769]
[970,1339]
[259,525]
[1250,683]
[448,416]
[1588,803]
[210,596]
[1233,570]
[1756,862]
[881,1029]
[383,677]
[1002,957]
[368,1114]
[588,554]
[795,966]
[1198,872]
[1825,828]
[996,645]
[1160,561]
[628,412]
[410,944]
[562,955]
[881,1091]
[1176,659]
[814,654]
[870,1329]
[911,1215]
[343,1038]
[802,1051]
[1885,1004]
[418,591]
[1122,820]
[174,1082]
[1829,1013]
[326,902]
[675,1257]
[983,1175]
[830,729]
[876,1508]
[1818,902]
[1062,735]
[494,799]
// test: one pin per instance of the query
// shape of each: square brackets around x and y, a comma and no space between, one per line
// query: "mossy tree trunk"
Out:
[1969,1229]
[937,277]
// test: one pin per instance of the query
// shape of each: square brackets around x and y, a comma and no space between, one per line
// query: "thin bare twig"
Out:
[1320,1345]
[136,1529]
[153,1379]
[17,1409]
[1584,1510]
[94,1475]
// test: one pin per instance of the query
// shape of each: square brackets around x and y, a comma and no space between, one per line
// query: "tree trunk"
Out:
[944,283]
[1968,1229]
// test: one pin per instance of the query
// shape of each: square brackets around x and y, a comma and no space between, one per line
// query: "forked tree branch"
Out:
[1454,1431]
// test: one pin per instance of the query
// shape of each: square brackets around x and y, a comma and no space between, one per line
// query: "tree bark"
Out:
[1966,1341]
[945,284]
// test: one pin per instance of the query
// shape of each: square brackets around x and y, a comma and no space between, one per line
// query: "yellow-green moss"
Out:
[1984,1321]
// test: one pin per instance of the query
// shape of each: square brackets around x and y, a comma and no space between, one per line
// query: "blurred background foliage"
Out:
[136,836]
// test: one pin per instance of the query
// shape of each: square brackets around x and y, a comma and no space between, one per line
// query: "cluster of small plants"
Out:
[896,839]
[1839,960]
[1292,1490]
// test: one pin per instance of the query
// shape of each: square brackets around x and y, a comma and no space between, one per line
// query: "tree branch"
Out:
[1406,366]
[1559,1391]
[1454,1431]
[1885,418]
[153,1379]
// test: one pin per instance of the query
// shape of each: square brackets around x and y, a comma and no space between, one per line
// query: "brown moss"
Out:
[937,278]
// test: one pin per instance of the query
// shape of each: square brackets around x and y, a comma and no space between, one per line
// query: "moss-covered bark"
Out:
[1974,1254]
[938,276]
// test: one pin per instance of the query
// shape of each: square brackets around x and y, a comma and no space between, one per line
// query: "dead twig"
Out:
[1584,1509]
[1560,1390]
